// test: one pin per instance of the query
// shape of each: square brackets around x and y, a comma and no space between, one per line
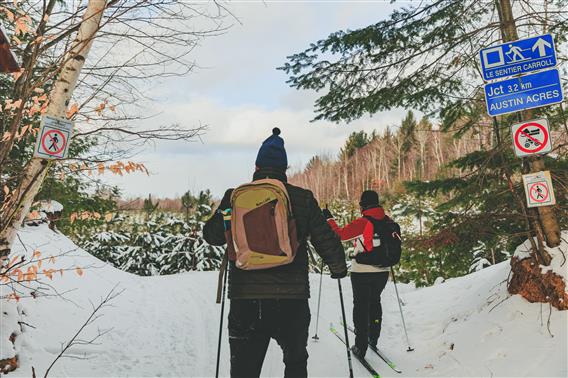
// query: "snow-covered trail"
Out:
[168,325]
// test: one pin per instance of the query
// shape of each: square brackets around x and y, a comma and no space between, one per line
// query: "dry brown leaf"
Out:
[72,110]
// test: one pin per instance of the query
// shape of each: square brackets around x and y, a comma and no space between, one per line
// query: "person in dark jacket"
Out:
[367,281]
[273,303]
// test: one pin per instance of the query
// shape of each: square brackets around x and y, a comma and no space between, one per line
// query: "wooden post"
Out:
[548,228]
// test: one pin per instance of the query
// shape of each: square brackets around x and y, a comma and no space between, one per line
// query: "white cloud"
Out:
[228,150]
[241,97]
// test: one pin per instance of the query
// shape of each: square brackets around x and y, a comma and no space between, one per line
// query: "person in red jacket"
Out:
[368,281]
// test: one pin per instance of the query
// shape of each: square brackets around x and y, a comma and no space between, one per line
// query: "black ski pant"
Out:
[367,310]
[252,323]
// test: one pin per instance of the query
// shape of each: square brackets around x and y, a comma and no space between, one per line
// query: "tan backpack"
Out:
[263,231]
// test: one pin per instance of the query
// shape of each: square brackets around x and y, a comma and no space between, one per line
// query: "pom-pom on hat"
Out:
[272,153]
[369,199]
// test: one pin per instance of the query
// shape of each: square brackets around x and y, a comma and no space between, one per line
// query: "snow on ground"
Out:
[167,326]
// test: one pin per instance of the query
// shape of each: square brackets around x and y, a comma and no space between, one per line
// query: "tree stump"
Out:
[535,286]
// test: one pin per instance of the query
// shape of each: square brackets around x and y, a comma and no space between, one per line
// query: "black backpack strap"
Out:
[222,272]
[384,222]
[375,222]
[372,220]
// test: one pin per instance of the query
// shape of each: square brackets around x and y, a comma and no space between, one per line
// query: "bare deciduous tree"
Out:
[135,43]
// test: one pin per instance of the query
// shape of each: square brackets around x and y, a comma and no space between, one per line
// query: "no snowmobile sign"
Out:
[531,137]
[53,139]
[538,189]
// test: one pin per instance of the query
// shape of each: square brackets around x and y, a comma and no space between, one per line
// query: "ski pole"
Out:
[221,325]
[401,314]
[345,329]
[315,337]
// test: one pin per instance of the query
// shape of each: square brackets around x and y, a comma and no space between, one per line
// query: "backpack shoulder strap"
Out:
[222,273]
[386,221]
[376,222]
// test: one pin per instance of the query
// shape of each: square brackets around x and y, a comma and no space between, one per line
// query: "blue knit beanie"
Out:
[272,153]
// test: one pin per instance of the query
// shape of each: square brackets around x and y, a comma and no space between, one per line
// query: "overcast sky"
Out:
[241,96]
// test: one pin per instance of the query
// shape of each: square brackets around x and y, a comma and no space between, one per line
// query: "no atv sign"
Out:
[538,189]
[531,137]
[53,139]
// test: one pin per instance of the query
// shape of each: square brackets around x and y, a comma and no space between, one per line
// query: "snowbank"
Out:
[167,325]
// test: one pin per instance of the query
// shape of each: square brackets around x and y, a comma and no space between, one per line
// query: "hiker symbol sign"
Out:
[531,137]
[53,139]
[538,189]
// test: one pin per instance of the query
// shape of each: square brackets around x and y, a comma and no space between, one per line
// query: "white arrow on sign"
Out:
[541,45]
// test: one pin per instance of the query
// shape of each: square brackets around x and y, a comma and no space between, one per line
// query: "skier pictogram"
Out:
[515,54]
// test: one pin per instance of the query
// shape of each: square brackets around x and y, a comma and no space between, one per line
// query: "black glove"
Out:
[339,275]
[326,214]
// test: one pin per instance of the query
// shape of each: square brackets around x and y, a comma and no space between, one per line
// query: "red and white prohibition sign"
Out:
[538,189]
[53,142]
[531,137]
[538,192]
[53,139]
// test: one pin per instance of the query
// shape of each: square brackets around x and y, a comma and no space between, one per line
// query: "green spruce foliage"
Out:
[423,57]
[155,244]
[356,140]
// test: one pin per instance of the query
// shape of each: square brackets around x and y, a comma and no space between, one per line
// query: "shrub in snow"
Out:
[50,207]
[479,261]
[158,244]
[413,213]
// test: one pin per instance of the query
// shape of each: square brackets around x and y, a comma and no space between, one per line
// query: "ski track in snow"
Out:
[168,325]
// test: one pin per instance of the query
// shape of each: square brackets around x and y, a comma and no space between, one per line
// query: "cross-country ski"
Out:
[387,360]
[199,188]
[361,360]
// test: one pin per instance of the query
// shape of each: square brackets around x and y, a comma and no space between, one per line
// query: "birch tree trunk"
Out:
[36,170]
[346,172]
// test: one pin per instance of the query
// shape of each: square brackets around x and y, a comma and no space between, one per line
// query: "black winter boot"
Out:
[358,352]
[373,342]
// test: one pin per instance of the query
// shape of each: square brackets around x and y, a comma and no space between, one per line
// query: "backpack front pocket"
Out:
[260,229]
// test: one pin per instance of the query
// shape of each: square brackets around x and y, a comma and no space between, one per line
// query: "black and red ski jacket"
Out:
[360,230]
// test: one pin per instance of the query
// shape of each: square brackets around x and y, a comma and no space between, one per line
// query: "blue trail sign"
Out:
[518,57]
[525,92]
